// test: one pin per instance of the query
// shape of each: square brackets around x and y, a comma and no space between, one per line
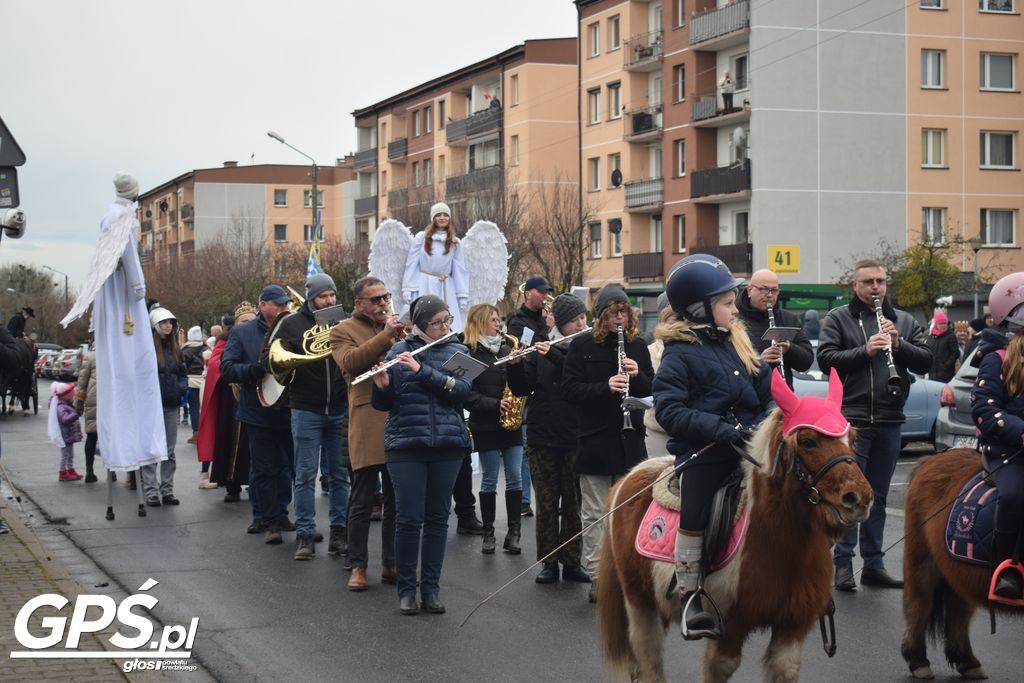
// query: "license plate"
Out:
[965,442]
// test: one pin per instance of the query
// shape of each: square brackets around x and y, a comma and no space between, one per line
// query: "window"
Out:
[280,233]
[680,13]
[740,73]
[933,225]
[615,100]
[319,198]
[656,161]
[614,41]
[594,105]
[308,233]
[363,230]
[615,237]
[932,62]
[679,82]
[933,148]
[514,150]
[931,4]
[614,164]
[428,119]
[680,233]
[514,87]
[595,239]
[416,123]
[997,227]
[594,166]
[428,171]
[997,149]
[995,5]
[656,234]
[383,133]
[996,71]
[741,227]
[416,178]
[280,197]
[594,32]
[483,155]
[680,152]
[442,167]
[441,119]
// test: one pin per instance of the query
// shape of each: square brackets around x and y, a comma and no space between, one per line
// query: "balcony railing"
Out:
[645,192]
[643,124]
[642,49]
[719,22]
[368,157]
[738,257]
[365,205]
[398,149]
[476,124]
[188,213]
[474,181]
[642,265]
[703,106]
[721,180]
[398,197]
[188,247]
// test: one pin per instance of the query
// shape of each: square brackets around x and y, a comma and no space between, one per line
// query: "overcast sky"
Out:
[91,87]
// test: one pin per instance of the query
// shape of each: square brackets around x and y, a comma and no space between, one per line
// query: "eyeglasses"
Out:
[766,290]
[376,300]
[872,281]
[443,322]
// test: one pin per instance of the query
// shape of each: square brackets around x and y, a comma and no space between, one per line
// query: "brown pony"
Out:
[940,594]
[781,578]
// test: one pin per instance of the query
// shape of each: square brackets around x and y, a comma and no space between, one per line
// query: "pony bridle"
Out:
[809,479]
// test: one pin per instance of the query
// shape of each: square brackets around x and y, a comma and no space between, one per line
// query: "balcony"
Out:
[474,181]
[188,247]
[366,158]
[738,257]
[636,266]
[188,213]
[721,28]
[398,149]
[704,111]
[722,183]
[365,205]
[147,225]
[643,52]
[398,197]
[643,124]
[172,217]
[645,195]
[484,121]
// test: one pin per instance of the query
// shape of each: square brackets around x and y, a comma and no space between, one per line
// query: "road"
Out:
[266,617]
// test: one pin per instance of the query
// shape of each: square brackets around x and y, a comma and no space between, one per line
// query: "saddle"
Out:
[969,530]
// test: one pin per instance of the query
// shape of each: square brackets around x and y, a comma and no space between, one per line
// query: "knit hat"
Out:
[662,301]
[195,333]
[422,309]
[160,314]
[978,324]
[565,308]
[612,293]
[939,319]
[440,207]
[317,285]
[63,390]
[126,185]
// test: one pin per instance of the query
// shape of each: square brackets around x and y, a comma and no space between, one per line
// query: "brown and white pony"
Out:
[940,594]
[806,490]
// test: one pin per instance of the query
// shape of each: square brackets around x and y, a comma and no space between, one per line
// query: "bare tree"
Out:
[557,233]
[23,285]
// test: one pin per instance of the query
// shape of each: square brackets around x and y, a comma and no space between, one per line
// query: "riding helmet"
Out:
[694,282]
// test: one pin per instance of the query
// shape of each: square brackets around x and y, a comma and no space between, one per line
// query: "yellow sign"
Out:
[784,258]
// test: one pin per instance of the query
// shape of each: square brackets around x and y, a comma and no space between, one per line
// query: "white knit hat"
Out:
[126,185]
[440,207]
[195,333]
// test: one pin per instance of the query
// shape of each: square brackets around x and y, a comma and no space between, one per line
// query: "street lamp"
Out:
[975,247]
[66,283]
[313,197]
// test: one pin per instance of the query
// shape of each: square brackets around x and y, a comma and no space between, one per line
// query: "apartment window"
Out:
[441,119]
[595,239]
[615,236]
[656,234]
[614,164]
[280,197]
[416,123]
[594,166]
[997,149]
[615,100]
[998,227]
[680,13]
[933,148]
[514,87]
[319,198]
[363,230]
[740,72]
[428,171]
[933,225]
[656,161]
[416,178]
[614,40]
[679,82]
[280,233]
[594,105]
[931,4]
[483,155]
[514,145]
[680,152]
[428,119]
[383,133]
[932,63]
[997,71]
[741,227]
[594,33]
[442,167]
[680,233]
[309,232]
[995,5]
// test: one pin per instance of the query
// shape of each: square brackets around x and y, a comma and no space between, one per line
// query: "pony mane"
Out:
[760,445]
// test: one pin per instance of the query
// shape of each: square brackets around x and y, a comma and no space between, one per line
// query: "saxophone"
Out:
[512,419]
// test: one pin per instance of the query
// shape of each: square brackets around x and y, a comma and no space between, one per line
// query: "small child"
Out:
[64,428]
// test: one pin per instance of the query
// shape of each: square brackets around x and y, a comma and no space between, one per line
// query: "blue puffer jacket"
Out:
[702,391]
[240,364]
[424,408]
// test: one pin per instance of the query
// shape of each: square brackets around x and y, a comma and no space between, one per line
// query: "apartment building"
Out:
[200,206]
[850,122]
[478,138]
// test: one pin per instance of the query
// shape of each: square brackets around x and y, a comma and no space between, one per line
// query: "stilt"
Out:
[139,488]
[110,495]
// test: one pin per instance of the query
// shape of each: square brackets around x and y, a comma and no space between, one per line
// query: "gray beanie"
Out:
[612,293]
[662,301]
[422,309]
[565,308]
[317,285]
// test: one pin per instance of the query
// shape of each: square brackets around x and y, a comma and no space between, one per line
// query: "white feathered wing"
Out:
[388,252]
[487,262]
[108,252]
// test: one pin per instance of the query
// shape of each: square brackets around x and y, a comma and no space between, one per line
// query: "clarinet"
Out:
[771,325]
[894,384]
[627,422]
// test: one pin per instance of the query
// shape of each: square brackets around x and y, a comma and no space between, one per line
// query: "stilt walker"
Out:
[129,416]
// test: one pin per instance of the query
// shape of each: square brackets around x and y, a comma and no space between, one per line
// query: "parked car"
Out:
[921,408]
[954,427]
[69,363]
[49,366]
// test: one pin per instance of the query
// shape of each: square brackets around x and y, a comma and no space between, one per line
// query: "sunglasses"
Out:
[376,300]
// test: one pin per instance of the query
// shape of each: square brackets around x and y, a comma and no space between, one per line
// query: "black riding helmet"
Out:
[697,279]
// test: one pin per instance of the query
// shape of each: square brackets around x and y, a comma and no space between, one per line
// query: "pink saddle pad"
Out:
[656,537]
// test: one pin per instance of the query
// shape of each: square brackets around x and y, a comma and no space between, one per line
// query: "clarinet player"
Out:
[755,302]
[859,343]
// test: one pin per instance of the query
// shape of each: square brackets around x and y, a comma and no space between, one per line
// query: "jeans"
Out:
[311,432]
[465,501]
[167,467]
[423,493]
[490,461]
[270,451]
[877,450]
[527,476]
[193,409]
[364,488]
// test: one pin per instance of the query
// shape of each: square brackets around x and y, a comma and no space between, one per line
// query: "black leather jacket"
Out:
[800,354]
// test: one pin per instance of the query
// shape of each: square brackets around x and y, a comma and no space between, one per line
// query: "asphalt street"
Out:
[265,617]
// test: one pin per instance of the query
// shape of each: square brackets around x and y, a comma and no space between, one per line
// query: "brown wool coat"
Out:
[85,392]
[357,345]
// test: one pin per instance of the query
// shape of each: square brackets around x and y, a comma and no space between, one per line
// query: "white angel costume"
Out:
[129,415]
[438,273]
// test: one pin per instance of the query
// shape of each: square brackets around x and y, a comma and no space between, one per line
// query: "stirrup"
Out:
[713,630]
[1005,565]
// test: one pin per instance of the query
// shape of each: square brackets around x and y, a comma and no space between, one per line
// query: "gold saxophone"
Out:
[512,419]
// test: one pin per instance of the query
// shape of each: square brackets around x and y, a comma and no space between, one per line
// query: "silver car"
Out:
[954,427]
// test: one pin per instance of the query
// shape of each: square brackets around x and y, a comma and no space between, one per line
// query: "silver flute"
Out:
[527,350]
[894,383]
[394,361]
[627,422]
[775,344]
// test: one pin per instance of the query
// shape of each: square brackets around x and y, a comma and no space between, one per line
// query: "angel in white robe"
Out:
[436,265]
[129,415]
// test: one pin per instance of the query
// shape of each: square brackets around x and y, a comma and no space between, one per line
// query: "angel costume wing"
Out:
[388,252]
[486,259]
[108,252]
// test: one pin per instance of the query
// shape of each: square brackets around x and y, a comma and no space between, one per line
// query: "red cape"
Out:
[211,406]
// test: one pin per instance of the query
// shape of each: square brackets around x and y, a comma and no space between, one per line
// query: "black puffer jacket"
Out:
[173,378]
[317,387]
[843,345]
[484,403]
[551,420]
[800,355]
[945,353]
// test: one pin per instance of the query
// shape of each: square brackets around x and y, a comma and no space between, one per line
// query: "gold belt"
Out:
[444,282]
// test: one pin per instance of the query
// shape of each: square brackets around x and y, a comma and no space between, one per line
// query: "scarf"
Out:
[492,344]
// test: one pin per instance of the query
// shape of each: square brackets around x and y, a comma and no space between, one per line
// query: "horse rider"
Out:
[16,324]
[711,390]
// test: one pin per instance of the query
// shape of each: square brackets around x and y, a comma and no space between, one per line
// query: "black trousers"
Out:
[272,454]
[465,502]
[701,479]
[90,450]
[360,505]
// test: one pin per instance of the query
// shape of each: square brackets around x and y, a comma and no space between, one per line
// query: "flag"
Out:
[313,263]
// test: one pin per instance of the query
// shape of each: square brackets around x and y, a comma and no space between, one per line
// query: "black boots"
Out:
[1009,584]
[513,506]
[488,503]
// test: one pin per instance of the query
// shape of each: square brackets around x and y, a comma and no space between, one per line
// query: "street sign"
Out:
[10,152]
[8,187]
[784,258]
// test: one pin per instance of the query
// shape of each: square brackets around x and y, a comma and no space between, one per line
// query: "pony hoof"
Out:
[923,673]
[975,674]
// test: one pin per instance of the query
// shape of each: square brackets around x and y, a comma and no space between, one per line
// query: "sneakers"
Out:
[153,502]
[169,499]
[304,548]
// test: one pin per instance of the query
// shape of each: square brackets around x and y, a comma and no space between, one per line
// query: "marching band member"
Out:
[753,303]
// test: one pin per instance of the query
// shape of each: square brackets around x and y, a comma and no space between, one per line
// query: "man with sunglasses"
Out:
[753,302]
[852,343]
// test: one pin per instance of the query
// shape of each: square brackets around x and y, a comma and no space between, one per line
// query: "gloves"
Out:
[743,434]
[258,371]
[410,295]
[140,292]
[463,303]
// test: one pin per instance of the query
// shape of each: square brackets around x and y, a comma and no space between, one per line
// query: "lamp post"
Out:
[975,247]
[313,196]
[66,283]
